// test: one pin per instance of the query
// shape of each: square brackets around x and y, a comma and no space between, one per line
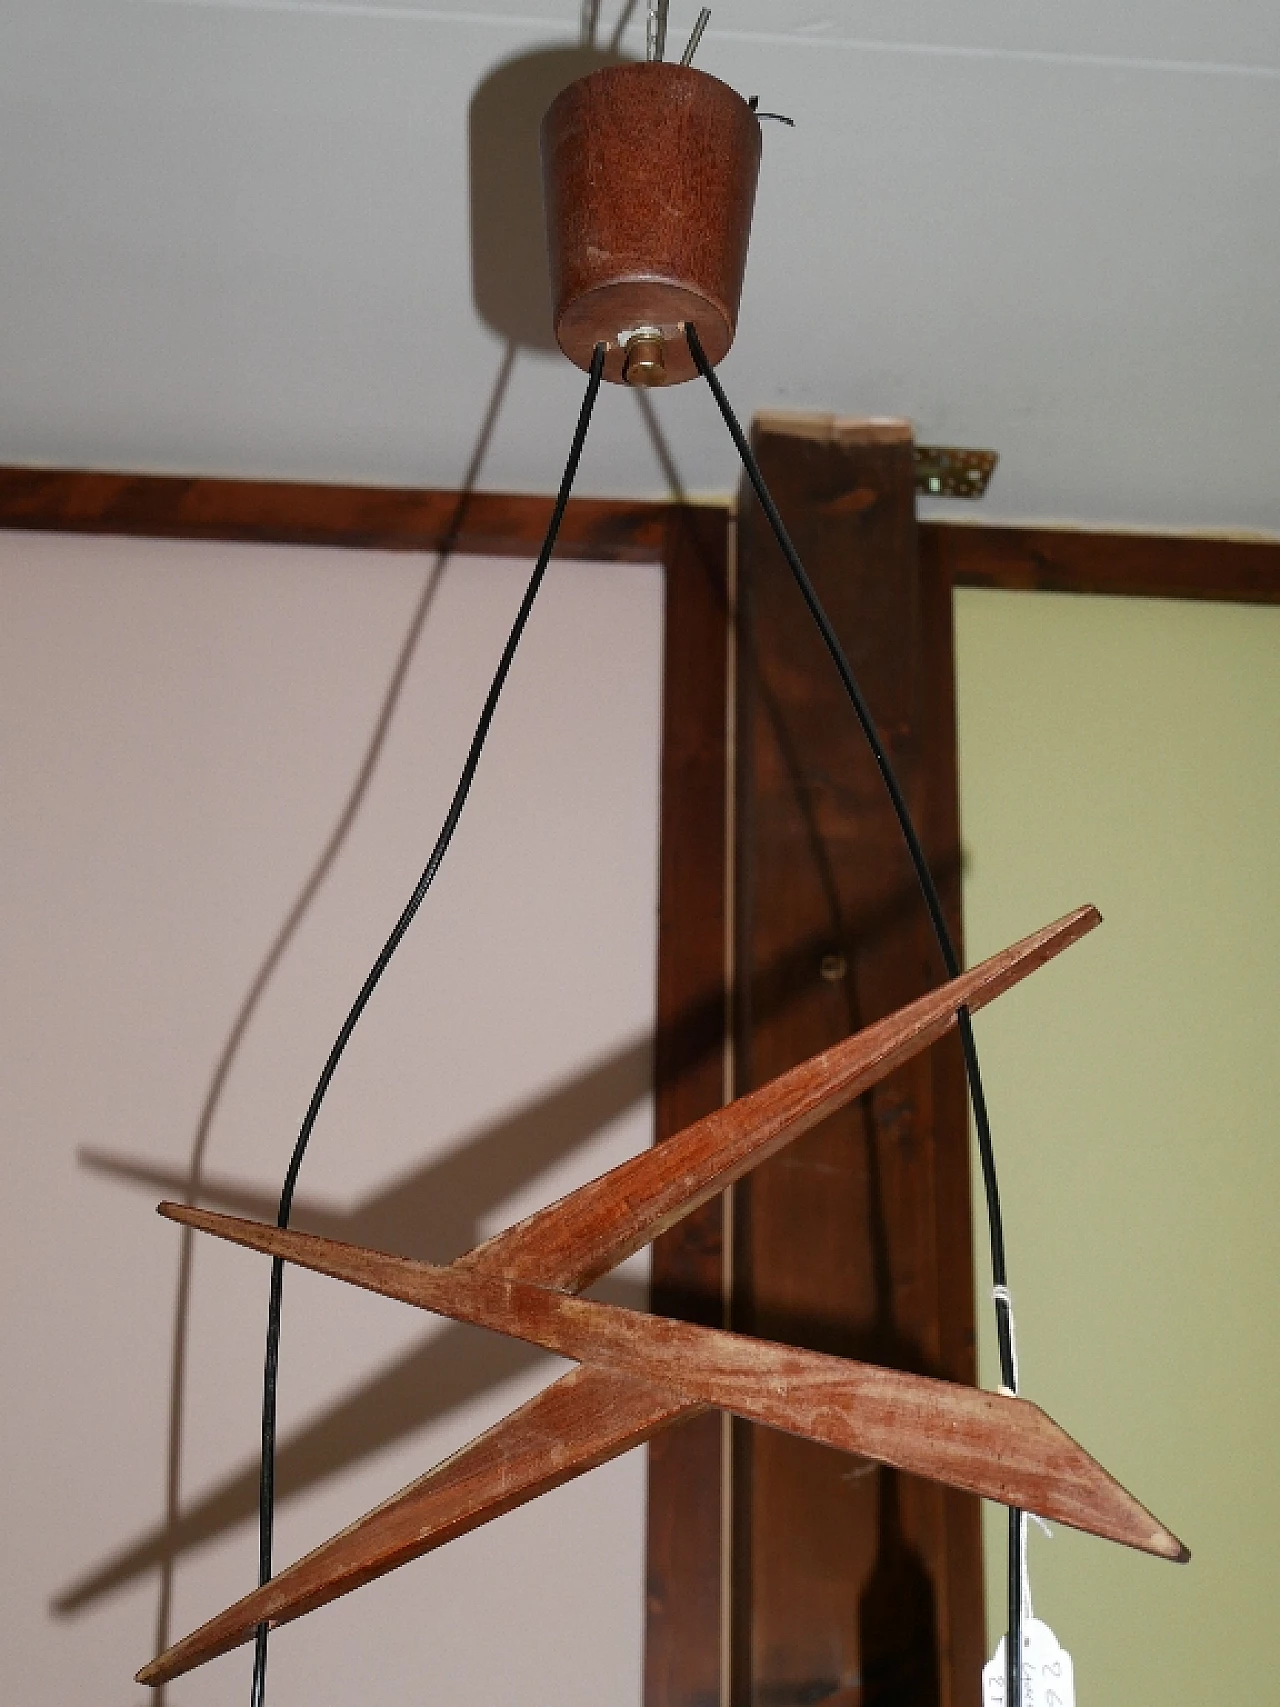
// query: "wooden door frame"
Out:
[1031,559]
[1233,570]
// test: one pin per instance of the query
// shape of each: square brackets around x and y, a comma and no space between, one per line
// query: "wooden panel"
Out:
[683,1568]
[857,1240]
[1072,560]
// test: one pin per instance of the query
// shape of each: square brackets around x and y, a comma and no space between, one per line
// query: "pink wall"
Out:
[183,726]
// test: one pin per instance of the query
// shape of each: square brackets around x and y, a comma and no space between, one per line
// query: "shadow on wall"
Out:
[435,1212]
[897,1619]
[508,231]
[509,271]
[164,1553]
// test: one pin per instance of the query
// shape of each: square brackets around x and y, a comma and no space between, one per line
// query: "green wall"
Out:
[1127,752]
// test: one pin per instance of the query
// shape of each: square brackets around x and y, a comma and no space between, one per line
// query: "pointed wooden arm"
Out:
[1002,1448]
[584,1235]
[582,1420]
[570,1244]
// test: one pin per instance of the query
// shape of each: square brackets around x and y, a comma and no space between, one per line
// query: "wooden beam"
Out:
[1079,560]
[683,1611]
[857,1240]
[961,1610]
[506,523]
[293,513]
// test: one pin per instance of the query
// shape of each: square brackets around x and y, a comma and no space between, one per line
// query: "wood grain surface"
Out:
[583,1235]
[1003,1448]
[1082,560]
[292,513]
[550,1440]
[167,506]
[959,1599]
[683,1510]
[649,180]
[857,1240]
[582,1420]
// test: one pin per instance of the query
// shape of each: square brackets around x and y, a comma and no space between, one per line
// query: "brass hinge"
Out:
[943,471]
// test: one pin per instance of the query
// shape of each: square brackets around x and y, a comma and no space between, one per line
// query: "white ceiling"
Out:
[237,238]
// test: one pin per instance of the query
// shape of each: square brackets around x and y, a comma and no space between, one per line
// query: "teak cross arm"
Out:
[985,1443]
[639,1373]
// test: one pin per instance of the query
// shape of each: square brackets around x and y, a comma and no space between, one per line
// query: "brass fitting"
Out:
[642,362]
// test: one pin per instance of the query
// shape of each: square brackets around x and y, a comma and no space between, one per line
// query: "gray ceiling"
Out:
[298,239]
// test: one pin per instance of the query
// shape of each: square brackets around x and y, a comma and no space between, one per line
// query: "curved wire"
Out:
[270,1377]
[937,917]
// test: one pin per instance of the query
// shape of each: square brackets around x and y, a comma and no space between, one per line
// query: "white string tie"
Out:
[1002,1295]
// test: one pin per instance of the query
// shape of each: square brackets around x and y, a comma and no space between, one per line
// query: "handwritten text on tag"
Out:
[1048,1679]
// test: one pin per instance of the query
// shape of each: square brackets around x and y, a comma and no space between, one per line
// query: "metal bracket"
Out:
[943,471]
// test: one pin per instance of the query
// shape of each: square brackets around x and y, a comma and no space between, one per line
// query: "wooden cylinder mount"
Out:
[649,177]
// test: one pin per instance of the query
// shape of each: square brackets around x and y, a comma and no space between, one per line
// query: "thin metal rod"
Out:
[933,903]
[663,6]
[266,1488]
[704,18]
[1013,1693]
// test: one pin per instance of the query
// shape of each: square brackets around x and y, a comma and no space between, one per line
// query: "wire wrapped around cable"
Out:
[951,959]
[266,1491]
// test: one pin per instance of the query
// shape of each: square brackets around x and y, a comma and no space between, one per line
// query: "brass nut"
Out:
[643,362]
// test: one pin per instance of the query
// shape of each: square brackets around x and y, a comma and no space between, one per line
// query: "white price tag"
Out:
[1048,1678]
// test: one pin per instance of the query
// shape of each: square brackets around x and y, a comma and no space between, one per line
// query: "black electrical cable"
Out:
[266,1490]
[951,959]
